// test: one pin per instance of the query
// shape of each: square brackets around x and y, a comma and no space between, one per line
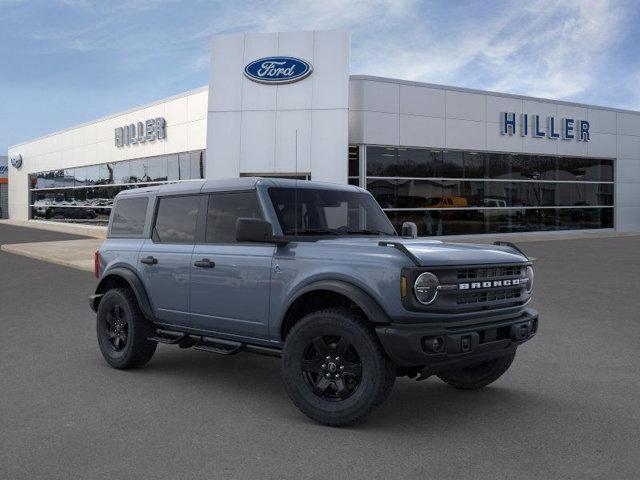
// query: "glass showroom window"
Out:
[449,192]
[85,194]
[354,165]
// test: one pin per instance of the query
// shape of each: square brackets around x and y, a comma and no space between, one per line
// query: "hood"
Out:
[438,253]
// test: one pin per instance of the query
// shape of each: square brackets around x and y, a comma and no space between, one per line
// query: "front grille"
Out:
[473,288]
[489,296]
[482,273]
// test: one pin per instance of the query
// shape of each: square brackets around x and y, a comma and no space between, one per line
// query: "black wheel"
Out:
[123,330]
[478,376]
[334,368]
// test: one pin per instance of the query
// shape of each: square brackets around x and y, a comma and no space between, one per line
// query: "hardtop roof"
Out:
[224,185]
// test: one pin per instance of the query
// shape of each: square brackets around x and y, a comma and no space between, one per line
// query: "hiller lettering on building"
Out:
[147,131]
[550,127]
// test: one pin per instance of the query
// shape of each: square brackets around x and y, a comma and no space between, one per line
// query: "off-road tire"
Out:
[478,376]
[377,375]
[137,350]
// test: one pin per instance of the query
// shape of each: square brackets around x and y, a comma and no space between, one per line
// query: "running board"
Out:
[220,346]
[168,337]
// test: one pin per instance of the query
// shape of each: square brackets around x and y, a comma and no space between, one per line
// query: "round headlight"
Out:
[426,288]
[529,274]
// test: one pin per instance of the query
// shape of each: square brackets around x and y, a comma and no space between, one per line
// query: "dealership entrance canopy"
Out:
[452,160]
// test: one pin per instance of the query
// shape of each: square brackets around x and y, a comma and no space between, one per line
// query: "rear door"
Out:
[165,258]
[230,281]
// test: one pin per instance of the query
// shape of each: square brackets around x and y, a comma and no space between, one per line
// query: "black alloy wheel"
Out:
[123,331]
[332,368]
[117,327]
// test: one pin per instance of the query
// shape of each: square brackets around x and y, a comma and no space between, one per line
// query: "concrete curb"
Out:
[57,252]
[73,229]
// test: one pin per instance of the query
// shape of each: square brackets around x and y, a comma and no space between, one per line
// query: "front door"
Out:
[230,281]
[165,259]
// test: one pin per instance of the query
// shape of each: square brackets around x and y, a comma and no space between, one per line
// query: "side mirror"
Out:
[409,229]
[253,230]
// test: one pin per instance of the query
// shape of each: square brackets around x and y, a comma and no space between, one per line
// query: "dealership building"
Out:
[4,187]
[452,160]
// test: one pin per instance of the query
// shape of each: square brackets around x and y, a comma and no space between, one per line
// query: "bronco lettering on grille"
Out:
[489,284]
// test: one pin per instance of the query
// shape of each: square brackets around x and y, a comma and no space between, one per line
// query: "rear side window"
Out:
[128,216]
[224,209]
[176,219]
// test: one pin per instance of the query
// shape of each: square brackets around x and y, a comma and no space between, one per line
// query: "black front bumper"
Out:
[447,346]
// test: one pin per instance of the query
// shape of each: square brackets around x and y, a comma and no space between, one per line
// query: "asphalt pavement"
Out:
[568,407]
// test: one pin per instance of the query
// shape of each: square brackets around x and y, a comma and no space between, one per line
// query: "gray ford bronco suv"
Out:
[313,273]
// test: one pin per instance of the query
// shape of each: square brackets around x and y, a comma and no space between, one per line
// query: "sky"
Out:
[65,62]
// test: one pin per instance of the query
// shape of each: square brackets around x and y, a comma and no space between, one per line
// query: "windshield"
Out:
[328,212]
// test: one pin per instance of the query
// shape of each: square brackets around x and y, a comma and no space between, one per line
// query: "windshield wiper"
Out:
[364,231]
[336,231]
[315,231]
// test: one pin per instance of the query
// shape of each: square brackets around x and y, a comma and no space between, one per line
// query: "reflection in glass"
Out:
[92,175]
[475,165]
[58,178]
[173,167]
[85,194]
[499,165]
[534,167]
[197,165]
[382,162]
[452,222]
[157,169]
[80,176]
[354,161]
[45,180]
[442,193]
[585,169]
[453,164]
[421,162]
[413,162]
[138,171]
[184,166]
[453,192]
[105,174]
[121,172]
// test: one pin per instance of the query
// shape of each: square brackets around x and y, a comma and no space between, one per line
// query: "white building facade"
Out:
[451,160]
[4,187]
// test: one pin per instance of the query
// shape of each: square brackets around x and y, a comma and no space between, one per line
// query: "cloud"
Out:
[545,49]
[539,48]
[558,49]
[103,56]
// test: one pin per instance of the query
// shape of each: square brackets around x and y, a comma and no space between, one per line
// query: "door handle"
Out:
[204,263]
[149,260]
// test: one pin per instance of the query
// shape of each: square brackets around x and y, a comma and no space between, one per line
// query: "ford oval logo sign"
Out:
[278,70]
[16,160]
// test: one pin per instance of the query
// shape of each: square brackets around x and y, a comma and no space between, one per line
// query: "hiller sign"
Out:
[147,131]
[566,128]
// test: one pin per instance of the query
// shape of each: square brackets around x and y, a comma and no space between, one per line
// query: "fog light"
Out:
[434,344]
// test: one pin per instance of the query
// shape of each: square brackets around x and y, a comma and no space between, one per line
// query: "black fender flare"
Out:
[370,307]
[134,282]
